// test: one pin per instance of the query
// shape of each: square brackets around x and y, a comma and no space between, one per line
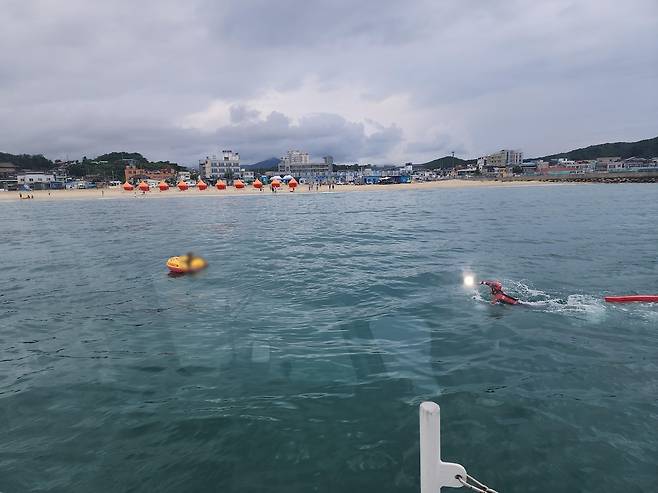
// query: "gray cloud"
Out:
[422,78]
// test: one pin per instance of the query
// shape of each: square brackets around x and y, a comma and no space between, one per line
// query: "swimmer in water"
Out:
[498,295]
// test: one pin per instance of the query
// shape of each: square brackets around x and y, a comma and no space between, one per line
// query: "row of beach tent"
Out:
[221,184]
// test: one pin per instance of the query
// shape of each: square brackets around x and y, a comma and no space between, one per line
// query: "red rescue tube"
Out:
[633,298]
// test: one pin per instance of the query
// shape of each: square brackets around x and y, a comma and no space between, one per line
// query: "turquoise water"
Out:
[297,360]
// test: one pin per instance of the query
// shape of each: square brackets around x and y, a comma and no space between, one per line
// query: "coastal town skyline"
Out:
[374,82]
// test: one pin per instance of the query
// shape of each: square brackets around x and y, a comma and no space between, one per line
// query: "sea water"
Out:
[296,362]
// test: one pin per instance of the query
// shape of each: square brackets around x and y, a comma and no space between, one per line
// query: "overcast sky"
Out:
[367,80]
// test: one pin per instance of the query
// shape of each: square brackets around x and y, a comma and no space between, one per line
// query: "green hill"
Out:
[105,166]
[643,148]
[112,165]
[445,162]
[33,162]
[113,157]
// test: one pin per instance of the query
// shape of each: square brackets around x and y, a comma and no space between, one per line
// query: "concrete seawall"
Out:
[630,177]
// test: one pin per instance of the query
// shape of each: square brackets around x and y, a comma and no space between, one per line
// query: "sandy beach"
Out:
[119,193]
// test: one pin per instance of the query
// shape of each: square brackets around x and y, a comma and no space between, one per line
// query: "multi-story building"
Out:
[637,163]
[602,163]
[133,172]
[585,166]
[505,158]
[298,163]
[227,165]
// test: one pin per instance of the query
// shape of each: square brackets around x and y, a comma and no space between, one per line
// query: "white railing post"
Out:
[434,473]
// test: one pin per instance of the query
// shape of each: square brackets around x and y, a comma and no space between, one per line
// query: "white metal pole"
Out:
[434,473]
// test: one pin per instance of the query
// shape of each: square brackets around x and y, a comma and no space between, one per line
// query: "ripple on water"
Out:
[298,359]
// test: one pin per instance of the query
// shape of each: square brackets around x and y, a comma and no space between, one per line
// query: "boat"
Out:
[633,298]
[181,265]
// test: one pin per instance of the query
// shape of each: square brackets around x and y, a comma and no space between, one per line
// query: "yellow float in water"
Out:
[183,264]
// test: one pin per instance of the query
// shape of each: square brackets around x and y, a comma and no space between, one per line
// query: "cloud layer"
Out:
[369,81]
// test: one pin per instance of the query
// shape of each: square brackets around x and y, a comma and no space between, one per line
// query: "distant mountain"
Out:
[445,162]
[643,148]
[270,164]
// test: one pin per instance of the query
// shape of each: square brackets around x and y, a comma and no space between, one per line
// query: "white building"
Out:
[298,163]
[293,159]
[227,165]
[35,179]
[184,176]
[505,158]
[248,176]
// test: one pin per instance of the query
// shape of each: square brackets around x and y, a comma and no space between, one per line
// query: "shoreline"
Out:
[119,193]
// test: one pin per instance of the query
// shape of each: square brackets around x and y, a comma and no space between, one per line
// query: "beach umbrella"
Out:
[238,184]
[143,186]
[127,187]
[182,186]
[201,185]
[264,180]
[220,185]
[292,184]
[258,184]
[288,178]
[276,183]
[163,186]
[277,177]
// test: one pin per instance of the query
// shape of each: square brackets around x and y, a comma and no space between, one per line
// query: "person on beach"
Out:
[498,295]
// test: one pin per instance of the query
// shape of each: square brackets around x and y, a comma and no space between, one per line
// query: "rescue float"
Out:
[633,298]
[183,265]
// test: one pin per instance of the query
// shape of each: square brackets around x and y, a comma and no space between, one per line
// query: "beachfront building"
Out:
[424,175]
[385,174]
[529,168]
[8,179]
[8,170]
[639,164]
[607,163]
[134,173]
[248,176]
[298,164]
[36,180]
[226,165]
[585,166]
[500,161]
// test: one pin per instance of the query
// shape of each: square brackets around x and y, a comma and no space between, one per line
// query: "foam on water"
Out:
[577,305]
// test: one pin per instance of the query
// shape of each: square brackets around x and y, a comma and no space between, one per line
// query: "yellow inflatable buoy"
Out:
[183,265]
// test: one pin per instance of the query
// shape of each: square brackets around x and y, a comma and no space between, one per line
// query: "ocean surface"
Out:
[296,362]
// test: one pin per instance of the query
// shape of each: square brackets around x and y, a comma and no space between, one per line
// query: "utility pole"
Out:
[453,159]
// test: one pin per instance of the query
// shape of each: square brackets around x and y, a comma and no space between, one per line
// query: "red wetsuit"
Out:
[498,295]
